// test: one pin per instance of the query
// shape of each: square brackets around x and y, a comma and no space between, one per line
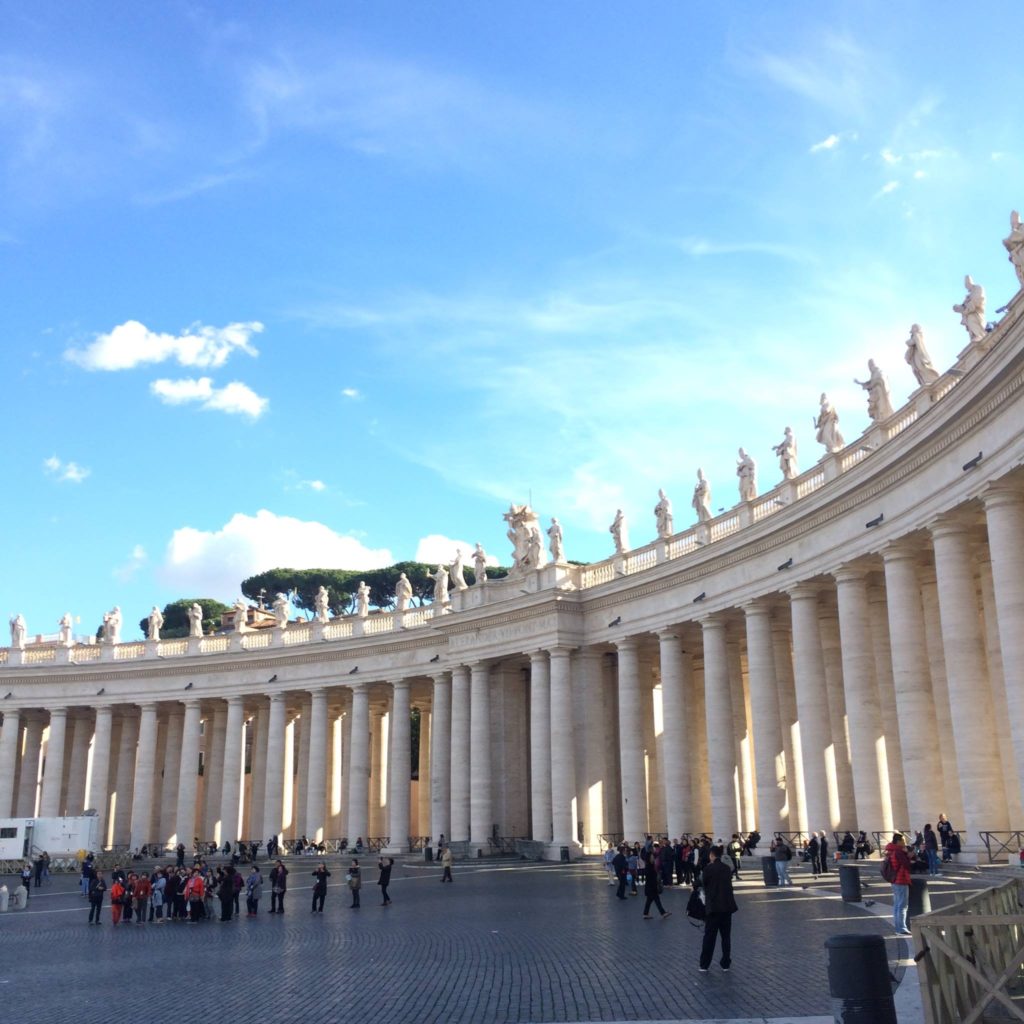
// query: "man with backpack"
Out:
[896,870]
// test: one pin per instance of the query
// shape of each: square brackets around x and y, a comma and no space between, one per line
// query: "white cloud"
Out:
[435,549]
[235,397]
[314,485]
[132,344]
[135,562]
[702,247]
[69,472]
[351,392]
[889,186]
[920,174]
[215,562]
[830,143]
[889,157]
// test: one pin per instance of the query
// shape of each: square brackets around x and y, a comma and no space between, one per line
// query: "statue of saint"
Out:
[67,626]
[195,620]
[786,452]
[619,532]
[322,606]
[156,623]
[440,579]
[403,593]
[663,515]
[480,564]
[702,498]
[457,571]
[18,630]
[827,426]
[241,617]
[112,625]
[281,611]
[918,359]
[746,471]
[877,387]
[524,533]
[1014,243]
[972,311]
[555,541]
[362,600]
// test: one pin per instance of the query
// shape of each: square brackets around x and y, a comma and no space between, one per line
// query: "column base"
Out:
[553,851]
[394,850]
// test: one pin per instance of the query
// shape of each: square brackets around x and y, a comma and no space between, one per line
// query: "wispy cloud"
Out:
[887,188]
[129,569]
[233,398]
[195,187]
[830,142]
[65,472]
[353,393]
[703,247]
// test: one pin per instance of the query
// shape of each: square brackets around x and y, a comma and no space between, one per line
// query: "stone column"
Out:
[721,737]
[316,773]
[631,742]
[359,766]
[441,757]
[8,759]
[424,827]
[172,767]
[915,707]
[870,760]
[124,778]
[481,814]
[563,767]
[273,794]
[594,750]
[378,771]
[745,782]
[231,783]
[970,705]
[783,650]
[675,759]
[213,773]
[188,775]
[145,774]
[78,764]
[98,797]
[769,753]
[610,731]
[1004,517]
[831,652]
[540,747]
[53,770]
[28,783]
[400,769]
[460,754]
[258,774]
[812,708]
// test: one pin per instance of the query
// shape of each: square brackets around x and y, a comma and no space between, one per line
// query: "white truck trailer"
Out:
[23,838]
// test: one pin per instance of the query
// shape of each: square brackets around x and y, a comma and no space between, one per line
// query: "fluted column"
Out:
[359,766]
[316,772]
[98,797]
[970,705]
[563,762]
[145,773]
[273,794]
[8,759]
[441,757]
[870,760]
[188,774]
[481,814]
[540,746]
[400,769]
[423,784]
[631,742]
[769,752]
[812,709]
[53,770]
[675,768]
[231,783]
[595,750]
[460,753]
[721,737]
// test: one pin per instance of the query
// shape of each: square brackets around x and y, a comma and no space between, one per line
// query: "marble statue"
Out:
[746,471]
[480,564]
[322,606]
[535,550]
[619,532]
[918,359]
[827,426]
[879,402]
[440,579]
[18,630]
[555,545]
[663,515]
[281,611]
[241,618]
[786,452]
[112,625]
[1014,243]
[403,593]
[195,620]
[702,498]
[156,623]
[972,311]
[457,571]
[362,600]
[524,533]
[67,625]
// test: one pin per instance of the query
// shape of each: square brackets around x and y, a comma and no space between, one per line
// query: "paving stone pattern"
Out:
[511,943]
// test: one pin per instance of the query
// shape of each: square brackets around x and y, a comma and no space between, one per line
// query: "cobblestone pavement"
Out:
[509,943]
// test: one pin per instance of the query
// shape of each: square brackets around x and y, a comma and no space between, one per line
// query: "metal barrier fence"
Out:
[1001,844]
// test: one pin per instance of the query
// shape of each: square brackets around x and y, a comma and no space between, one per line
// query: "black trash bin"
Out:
[920,902]
[428,853]
[849,882]
[563,852]
[859,981]
[771,876]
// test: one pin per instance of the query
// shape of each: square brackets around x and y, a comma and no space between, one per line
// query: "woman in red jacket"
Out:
[896,854]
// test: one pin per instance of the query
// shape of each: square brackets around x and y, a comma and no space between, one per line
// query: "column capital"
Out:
[234,702]
[58,713]
[150,706]
[903,549]
[1003,492]
[758,608]
[193,702]
[850,574]
[442,678]
[400,685]
[712,622]
[627,643]
[804,591]
[949,525]
[560,652]
[668,634]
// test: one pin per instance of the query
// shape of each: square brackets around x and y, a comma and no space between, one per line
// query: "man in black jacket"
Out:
[621,866]
[720,905]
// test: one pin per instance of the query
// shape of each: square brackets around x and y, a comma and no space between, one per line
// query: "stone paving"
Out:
[505,942]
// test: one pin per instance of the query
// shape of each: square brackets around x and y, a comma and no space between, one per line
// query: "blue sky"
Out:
[326,284]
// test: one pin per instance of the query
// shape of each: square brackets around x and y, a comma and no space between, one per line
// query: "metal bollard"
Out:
[919,902]
[859,981]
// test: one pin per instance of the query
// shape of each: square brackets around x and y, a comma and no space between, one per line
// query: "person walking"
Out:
[621,867]
[385,864]
[253,891]
[814,853]
[721,905]
[97,887]
[354,883]
[320,877]
[609,857]
[117,898]
[823,853]
[898,864]
[931,849]
[652,889]
[226,893]
[735,849]
[278,887]
[781,853]
[446,863]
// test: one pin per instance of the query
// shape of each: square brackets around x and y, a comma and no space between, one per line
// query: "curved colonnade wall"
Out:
[846,651]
